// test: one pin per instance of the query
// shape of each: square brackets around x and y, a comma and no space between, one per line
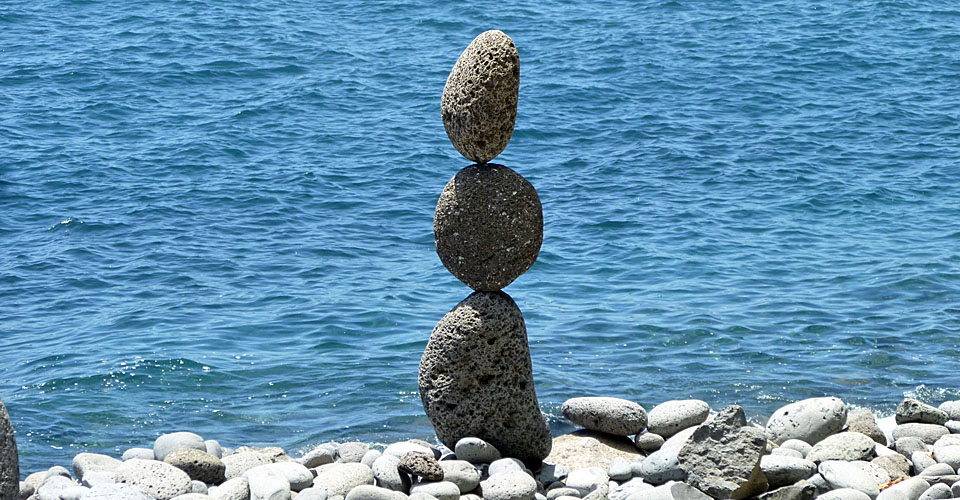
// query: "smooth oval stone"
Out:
[476,451]
[846,446]
[91,479]
[318,456]
[512,485]
[911,489]
[370,457]
[562,492]
[863,421]
[199,465]
[9,459]
[488,226]
[479,103]
[809,420]
[352,452]
[166,443]
[662,466]
[368,492]
[441,490]
[648,442]
[85,463]
[388,476]
[141,453]
[53,486]
[949,455]
[402,448]
[945,441]
[197,496]
[461,473]
[615,416]
[619,469]
[238,463]
[783,470]
[928,433]
[670,417]
[160,479]
[198,487]
[587,480]
[785,452]
[476,379]
[237,488]
[921,460]
[266,484]
[339,479]
[313,494]
[840,474]
[906,446]
[912,410]
[796,444]
[939,470]
[213,447]
[297,476]
[936,492]
[844,494]
[505,465]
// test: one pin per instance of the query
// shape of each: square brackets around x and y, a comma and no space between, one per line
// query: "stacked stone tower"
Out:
[476,376]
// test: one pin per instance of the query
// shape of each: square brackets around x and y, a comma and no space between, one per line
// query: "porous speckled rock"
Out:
[722,458]
[670,417]
[928,433]
[199,465]
[488,226]
[847,446]
[476,379]
[582,449]
[896,465]
[809,420]
[864,422]
[479,103]
[421,465]
[912,410]
[352,451]
[238,463]
[9,459]
[160,479]
[339,479]
[167,443]
[509,486]
[616,416]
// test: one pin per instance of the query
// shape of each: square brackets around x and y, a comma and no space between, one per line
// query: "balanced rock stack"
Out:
[476,376]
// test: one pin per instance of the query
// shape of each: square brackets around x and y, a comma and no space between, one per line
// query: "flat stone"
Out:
[295,474]
[928,433]
[809,420]
[267,484]
[616,416]
[461,473]
[9,459]
[619,469]
[387,474]
[315,494]
[936,492]
[476,451]
[160,479]
[368,492]
[421,465]
[587,480]
[441,490]
[479,103]
[662,466]
[801,490]
[846,446]
[722,458]
[840,474]
[896,465]
[116,491]
[488,226]
[318,456]
[796,444]
[670,417]
[237,488]
[370,457]
[85,463]
[912,410]
[648,442]
[352,452]
[863,421]
[582,449]
[274,453]
[199,465]
[141,453]
[341,478]
[906,446]
[910,489]
[938,470]
[476,379]
[166,443]
[844,494]
[783,470]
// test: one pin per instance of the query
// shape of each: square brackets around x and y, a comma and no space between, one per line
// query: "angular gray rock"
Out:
[488,226]
[670,417]
[615,416]
[166,443]
[339,479]
[648,442]
[783,470]
[912,410]
[479,103]
[461,473]
[116,492]
[421,465]
[863,421]
[847,446]
[911,489]
[928,433]
[199,465]
[840,474]
[809,420]
[160,479]
[722,458]
[441,490]
[9,458]
[85,463]
[476,379]
[388,476]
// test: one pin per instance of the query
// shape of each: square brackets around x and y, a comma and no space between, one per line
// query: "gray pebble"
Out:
[505,465]
[912,410]
[369,492]
[936,492]
[510,485]
[295,474]
[85,463]
[783,470]
[370,457]
[847,446]
[844,494]
[619,469]
[26,490]
[840,474]
[906,446]
[441,490]
[402,448]
[339,479]
[896,465]
[160,479]
[388,476]
[266,484]
[928,433]
[461,473]
[587,480]
[611,415]
[57,470]
[116,492]
[809,420]
[92,479]
[198,487]
[921,460]
[949,455]
[648,442]
[213,448]
[238,463]
[312,494]
[53,486]
[911,489]
[476,451]
[939,470]
[796,444]
[662,466]
[436,451]
[955,490]
[352,452]
[237,488]
[953,426]
[951,408]
[318,456]
[785,452]
[166,443]
[558,492]
[670,417]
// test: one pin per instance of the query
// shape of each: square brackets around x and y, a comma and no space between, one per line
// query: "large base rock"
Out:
[476,379]
[9,460]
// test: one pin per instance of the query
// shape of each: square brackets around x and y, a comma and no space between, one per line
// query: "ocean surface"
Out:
[217,216]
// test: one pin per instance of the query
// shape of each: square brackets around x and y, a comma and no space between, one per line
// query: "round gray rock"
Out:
[370,457]
[846,446]
[441,490]
[795,444]
[921,460]
[10,471]
[906,446]
[368,492]
[912,410]
[936,492]
[141,453]
[86,463]
[928,433]
[213,447]
[318,456]
[911,489]
[237,488]
[339,479]
[782,470]
[785,452]
[509,486]
[479,103]
[238,463]
[844,494]
[951,408]
[116,492]
[403,447]
[266,484]
[160,479]
[863,421]
[488,226]
[949,455]
[476,451]
[809,420]
[840,474]
[648,442]
[476,379]
[352,451]
[295,474]
[313,494]
[461,473]
[896,465]
[615,416]
[670,417]
[662,466]
[199,465]
[166,443]
[388,476]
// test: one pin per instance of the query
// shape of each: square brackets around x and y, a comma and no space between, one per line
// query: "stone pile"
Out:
[476,375]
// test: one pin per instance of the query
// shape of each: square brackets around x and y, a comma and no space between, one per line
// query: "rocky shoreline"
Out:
[680,450]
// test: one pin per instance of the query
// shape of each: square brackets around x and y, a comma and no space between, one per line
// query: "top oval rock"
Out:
[479,104]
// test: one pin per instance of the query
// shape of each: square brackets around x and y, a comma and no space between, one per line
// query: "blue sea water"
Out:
[217,216]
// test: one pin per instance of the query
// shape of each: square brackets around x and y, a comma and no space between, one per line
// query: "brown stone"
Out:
[422,465]
[584,448]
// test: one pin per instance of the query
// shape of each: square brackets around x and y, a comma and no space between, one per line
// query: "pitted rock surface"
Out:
[488,226]
[476,379]
[479,103]
[670,417]
[199,465]
[616,416]
[160,479]
[847,446]
[722,458]
[9,459]
[422,465]
[911,410]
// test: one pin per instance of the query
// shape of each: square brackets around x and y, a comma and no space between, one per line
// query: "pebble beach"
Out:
[678,450]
